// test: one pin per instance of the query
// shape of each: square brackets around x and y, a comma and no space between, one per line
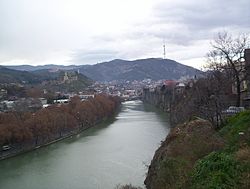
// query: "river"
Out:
[99,158]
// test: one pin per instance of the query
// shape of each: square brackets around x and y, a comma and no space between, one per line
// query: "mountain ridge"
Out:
[121,70]
[150,68]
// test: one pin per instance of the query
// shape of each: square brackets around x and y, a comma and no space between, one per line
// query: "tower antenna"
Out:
[164,50]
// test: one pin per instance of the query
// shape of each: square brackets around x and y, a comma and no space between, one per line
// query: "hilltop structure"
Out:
[68,78]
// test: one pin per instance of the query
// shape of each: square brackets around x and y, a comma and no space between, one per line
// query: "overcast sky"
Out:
[67,32]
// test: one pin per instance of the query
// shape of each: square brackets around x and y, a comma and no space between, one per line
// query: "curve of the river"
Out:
[99,158]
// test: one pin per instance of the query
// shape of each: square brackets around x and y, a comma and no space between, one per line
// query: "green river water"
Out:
[99,158]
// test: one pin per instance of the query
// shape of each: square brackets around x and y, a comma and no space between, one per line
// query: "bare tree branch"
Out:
[227,56]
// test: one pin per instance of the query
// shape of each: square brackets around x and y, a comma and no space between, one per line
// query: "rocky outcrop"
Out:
[174,160]
[160,97]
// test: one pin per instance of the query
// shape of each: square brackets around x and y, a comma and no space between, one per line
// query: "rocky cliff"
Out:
[175,159]
[160,97]
[196,156]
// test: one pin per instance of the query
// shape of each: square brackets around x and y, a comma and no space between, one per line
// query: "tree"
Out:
[227,55]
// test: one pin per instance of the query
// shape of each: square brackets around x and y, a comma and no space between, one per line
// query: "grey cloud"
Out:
[92,56]
[184,23]
[206,14]
[170,33]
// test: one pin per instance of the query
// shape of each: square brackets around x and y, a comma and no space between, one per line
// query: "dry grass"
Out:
[243,154]
[177,155]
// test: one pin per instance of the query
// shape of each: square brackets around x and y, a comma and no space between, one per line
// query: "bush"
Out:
[173,173]
[217,170]
[236,131]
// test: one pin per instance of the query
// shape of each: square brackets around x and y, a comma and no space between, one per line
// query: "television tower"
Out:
[164,50]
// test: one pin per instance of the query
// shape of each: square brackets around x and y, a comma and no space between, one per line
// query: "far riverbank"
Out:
[22,133]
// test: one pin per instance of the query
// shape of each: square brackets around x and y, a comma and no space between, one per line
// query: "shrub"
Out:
[236,131]
[217,170]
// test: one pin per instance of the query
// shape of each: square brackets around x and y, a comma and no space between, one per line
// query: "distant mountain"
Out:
[121,70]
[44,67]
[15,76]
[152,68]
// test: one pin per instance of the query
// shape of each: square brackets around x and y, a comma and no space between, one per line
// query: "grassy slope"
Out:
[196,156]
[229,168]
[174,160]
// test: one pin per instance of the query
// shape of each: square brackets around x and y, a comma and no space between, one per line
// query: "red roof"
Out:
[170,83]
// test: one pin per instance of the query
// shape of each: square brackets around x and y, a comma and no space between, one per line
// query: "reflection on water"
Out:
[100,157]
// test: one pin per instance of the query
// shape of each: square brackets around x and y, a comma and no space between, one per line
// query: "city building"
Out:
[246,100]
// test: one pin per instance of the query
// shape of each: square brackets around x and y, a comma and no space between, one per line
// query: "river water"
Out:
[99,158]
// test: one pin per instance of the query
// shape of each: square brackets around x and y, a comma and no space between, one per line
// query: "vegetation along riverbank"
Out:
[195,155]
[25,131]
[209,146]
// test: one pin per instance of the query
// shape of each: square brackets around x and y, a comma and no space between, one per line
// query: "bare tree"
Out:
[227,55]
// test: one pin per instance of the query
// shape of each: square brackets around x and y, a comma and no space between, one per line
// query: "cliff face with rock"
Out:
[202,97]
[197,156]
[175,159]
[160,97]
[169,99]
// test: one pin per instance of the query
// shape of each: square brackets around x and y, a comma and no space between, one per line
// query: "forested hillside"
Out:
[14,76]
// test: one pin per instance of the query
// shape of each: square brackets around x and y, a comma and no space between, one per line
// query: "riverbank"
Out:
[23,151]
[51,125]
[196,156]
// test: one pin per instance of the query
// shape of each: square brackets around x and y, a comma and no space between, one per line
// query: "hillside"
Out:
[196,156]
[46,74]
[75,82]
[45,79]
[15,76]
[151,68]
